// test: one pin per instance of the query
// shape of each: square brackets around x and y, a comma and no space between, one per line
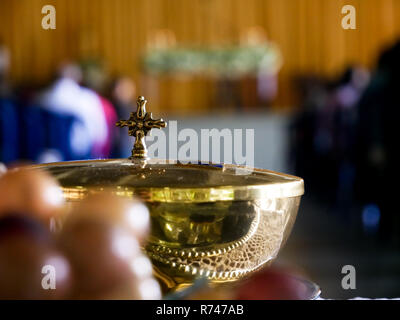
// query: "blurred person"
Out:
[66,96]
[325,134]
[377,150]
[94,77]
[9,122]
[122,93]
[312,94]
[346,95]
[5,89]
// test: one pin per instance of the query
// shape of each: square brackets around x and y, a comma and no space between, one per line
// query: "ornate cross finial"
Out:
[139,124]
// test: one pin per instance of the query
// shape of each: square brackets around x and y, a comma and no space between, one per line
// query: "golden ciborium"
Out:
[206,219]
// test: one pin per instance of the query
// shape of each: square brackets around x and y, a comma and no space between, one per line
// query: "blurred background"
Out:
[323,101]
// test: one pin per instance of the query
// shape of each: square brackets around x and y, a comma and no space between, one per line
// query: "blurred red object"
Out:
[275,284]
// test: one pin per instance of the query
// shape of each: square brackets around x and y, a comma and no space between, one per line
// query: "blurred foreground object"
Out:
[96,255]
[275,284]
[101,238]
[112,209]
[266,284]
[26,249]
[26,190]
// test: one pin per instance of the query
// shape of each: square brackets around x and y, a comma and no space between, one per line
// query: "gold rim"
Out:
[287,186]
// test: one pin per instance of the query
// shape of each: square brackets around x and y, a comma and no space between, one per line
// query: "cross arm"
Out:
[125,123]
[158,123]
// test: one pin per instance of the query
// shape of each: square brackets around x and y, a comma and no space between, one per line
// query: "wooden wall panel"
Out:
[308,33]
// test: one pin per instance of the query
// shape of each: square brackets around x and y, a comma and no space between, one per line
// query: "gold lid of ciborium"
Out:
[219,221]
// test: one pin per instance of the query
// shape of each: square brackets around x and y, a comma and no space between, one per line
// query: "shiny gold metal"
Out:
[217,221]
[139,125]
[207,220]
